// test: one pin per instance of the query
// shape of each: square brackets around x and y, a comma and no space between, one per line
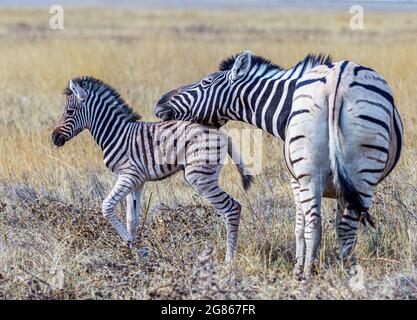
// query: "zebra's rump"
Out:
[370,125]
[351,115]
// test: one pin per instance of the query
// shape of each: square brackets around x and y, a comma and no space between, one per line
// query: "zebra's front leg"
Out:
[299,231]
[133,211]
[122,188]
[310,199]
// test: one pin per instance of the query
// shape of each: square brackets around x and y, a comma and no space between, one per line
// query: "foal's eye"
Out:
[70,112]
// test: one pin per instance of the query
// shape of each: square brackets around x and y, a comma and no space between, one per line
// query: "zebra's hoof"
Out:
[230,257]
[310,272]
[348,262]
[298,272]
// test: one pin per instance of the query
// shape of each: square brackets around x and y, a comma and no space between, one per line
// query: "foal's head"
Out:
[73,119]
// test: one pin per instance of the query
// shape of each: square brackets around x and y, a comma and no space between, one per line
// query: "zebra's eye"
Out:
[70,112]
[206,81]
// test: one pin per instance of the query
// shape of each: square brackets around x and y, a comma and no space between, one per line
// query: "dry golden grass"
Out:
[54,242]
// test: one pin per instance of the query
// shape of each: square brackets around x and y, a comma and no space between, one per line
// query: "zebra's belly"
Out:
[160,172]
[323,174]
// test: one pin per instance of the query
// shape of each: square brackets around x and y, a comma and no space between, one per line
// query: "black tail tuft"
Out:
[247,181]
[366,218]
[352,197]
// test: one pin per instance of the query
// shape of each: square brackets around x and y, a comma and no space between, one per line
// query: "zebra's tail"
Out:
[247,179]
[342,182]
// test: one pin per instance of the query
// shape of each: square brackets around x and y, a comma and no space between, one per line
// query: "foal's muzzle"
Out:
[58,139]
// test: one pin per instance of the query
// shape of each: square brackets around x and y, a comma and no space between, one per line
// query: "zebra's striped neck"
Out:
[263,97]
[266,97]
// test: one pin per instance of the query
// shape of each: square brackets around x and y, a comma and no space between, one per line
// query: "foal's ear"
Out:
[79,92]
[241,66]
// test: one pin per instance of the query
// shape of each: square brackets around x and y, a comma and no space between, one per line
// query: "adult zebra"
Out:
[342,133]
[142,151]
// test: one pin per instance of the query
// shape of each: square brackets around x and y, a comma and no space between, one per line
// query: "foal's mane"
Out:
[93,84]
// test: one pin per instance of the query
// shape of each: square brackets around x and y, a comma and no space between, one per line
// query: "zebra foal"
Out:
[144,151]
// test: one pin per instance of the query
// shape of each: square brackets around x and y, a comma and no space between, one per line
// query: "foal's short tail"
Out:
[245,175]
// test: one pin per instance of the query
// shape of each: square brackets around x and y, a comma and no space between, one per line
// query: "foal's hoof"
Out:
[129,242]
[143,252]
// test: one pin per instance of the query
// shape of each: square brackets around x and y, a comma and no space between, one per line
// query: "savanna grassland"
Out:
[54,243]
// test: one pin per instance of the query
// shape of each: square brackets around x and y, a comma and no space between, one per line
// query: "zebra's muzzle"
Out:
[163,112]
[58,139]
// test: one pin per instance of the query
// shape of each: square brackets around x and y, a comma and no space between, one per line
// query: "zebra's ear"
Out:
[79,92]
[241,66]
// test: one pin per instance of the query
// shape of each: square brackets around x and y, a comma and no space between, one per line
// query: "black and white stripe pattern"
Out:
[141,151]
[342,132]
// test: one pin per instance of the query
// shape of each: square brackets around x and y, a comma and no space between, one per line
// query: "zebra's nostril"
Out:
[58,139]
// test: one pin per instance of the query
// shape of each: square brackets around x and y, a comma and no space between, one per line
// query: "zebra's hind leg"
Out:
[346,229]
[205,180]
[348,220]
[299,231]
[310,200]
[133,211]
[121,189]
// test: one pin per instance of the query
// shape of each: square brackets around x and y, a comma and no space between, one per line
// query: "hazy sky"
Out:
[213,4]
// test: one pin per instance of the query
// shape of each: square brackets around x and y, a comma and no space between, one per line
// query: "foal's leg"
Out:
[121,189]
[133,211]
[205,180]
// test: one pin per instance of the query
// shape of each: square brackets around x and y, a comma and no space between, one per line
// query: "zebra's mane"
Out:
[228,63]
[311,60]
[93,84]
